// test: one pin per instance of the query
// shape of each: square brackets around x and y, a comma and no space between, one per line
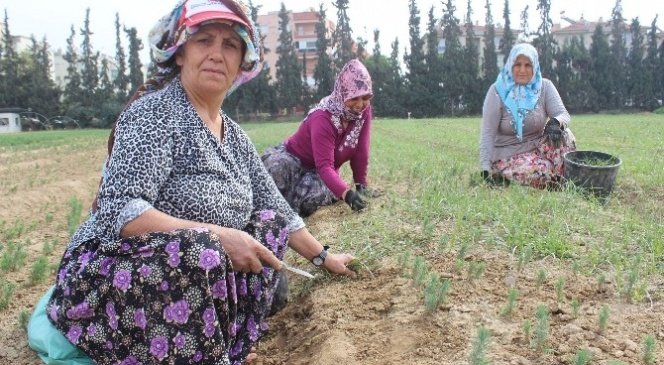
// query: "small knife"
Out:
[297,271]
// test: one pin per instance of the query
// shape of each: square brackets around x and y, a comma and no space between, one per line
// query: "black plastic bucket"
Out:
[594,172]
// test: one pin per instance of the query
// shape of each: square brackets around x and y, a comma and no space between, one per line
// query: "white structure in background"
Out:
[10,120]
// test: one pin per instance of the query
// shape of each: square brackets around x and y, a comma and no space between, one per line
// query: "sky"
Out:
[53,19]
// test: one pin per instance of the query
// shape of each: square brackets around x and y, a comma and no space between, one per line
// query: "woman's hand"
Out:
[336,263]
[245,252]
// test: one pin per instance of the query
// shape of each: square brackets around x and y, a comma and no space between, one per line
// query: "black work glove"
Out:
[368,192]
[354,201]
[488,179]
[553,134]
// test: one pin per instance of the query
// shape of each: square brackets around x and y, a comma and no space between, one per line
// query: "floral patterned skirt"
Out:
[303,189]
[168,297]
[541,168]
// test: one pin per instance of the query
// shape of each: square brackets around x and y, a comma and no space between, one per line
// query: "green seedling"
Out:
[420,270]
[541,278]
[475,270]
[575,308]
[601,279]
[649,347]
[582,357]
[39,269]
[541,327]
[6,291]
[508,309]
[527,327]
[560,285]
[603,318]
[432,292]
[480,346]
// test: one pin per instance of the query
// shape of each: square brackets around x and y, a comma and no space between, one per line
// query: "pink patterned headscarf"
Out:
[353,81]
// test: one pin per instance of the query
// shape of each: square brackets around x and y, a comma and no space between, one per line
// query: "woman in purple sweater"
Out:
[525,126]
[306,165]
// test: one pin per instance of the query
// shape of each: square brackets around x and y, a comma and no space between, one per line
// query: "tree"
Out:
[323,71]
[573,65]
[9,66]
[453,60]
[544,41]
[379,69]
[343,40]
[415,63]
[136,77]
[525,30]
[638,87]
[601,80]
[38,91]
[73,90]
[490,57]
[289,83]
[618,64]
[473,94]
[653,64]
[508,40]
[121,81]
[395,84]
[89,70]
[431,104]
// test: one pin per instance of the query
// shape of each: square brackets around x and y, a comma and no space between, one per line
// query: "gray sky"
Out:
[54,19]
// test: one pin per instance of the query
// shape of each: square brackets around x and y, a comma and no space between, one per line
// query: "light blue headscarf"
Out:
[519,99]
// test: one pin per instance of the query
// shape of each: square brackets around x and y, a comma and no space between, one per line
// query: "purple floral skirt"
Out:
[541,168]
[165,297]
[303,189]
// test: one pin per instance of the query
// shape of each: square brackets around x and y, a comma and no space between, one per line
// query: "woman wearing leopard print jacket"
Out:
[178,262]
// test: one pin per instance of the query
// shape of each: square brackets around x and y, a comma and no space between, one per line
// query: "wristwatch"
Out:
[320,258]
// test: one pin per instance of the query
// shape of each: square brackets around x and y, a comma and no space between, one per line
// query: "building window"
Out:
[16,122]
[300,29]
[306,46]
[4,122]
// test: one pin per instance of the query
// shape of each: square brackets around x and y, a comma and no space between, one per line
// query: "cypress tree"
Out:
[490,57]
[508,40]
[136,77]
[323,71]
[289,83]
[473,94]
[652,63]
[600,76]
[378,67]
[638,86]
[121,81]
[544,42]
[90,69]
[453,60]
[431,100]
[415,64]
[10,66]
[72,92]
[343,39]
[618,64]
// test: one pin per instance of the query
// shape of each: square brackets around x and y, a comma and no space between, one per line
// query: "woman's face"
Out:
[358,103]
[522,70]
[211,59]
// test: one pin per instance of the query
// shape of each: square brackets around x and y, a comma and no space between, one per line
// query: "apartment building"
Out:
[303,29]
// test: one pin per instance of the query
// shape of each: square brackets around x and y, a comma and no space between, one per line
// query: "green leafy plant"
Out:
[525,257]
[575,307]
[475,270]
[480,346]
[420,270]
[6,291]
[582,357]
[560,285]
[74,215]
[541,278]
[603,319]
[649,347]
[601,279]
[527,327]
[23,319]
[541,335]
[39,269]
[508,309]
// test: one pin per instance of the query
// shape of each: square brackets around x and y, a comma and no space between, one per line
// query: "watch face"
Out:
[317,261]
